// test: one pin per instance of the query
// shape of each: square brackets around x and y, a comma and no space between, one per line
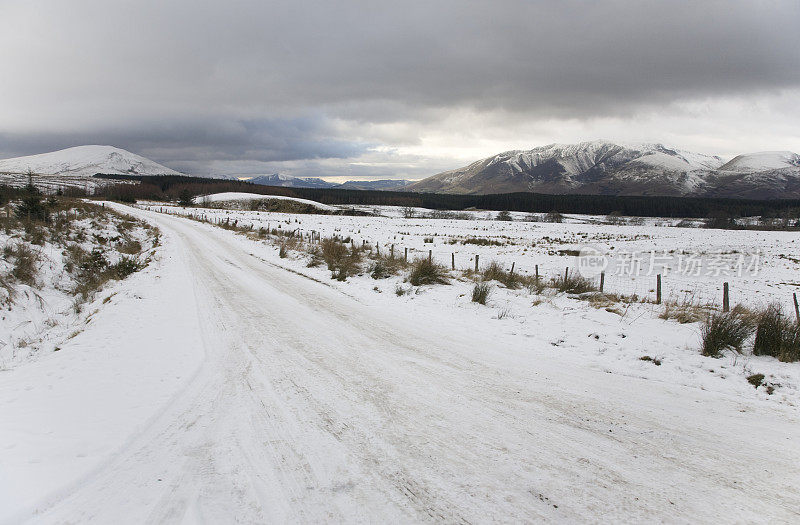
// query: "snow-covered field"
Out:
[226,383]
[760,266]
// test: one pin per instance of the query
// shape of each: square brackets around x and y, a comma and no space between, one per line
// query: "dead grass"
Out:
[495,272]
[573,283]
[481,292]
[424,272]
[25,269]
[686,310]
[341,260]
[724,331]
[777,335]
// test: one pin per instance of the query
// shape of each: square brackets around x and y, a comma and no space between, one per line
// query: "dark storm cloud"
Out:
[237,79]
[190,146]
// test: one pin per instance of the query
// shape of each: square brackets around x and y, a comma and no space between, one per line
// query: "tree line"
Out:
[170,188]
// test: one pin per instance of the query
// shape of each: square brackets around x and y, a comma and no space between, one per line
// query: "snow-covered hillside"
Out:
[608,168]
[763,161]
[233,197]
[279,179]
[86,161]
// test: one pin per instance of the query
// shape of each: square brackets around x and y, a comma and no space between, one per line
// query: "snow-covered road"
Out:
[314,406]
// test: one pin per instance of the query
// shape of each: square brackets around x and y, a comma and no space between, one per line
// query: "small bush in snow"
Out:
[724,331]
[480,293]
[123,268]
[495,272]
[424,271]
[25,267]
[341,261]
[755,379]
[574,284]
[776,335]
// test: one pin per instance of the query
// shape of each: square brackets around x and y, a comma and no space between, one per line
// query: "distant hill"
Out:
[383,184]
[85,161]
[606,168]
[286,181]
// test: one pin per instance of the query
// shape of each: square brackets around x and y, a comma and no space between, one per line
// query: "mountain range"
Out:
[606,168]
[88,161]
[278,179]
[592,168]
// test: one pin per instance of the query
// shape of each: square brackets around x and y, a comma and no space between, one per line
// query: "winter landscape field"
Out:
[358,262]
[254,386]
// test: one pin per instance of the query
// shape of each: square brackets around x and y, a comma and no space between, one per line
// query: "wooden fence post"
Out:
[405,257]
[602,280]
[566,274]
[537,273]
[658,289]
[453,263]
[512,269]
[392,251]
[430,255]
[796,308]
[726,305]
[476,262]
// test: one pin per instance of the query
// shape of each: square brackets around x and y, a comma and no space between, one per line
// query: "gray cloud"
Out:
[194,84]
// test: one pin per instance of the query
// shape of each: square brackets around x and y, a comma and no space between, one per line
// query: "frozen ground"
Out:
[761,266]
[225,384]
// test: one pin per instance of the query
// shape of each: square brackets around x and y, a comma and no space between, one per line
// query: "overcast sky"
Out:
[368,89]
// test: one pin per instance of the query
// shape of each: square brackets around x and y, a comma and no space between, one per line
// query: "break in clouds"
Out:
[361,89]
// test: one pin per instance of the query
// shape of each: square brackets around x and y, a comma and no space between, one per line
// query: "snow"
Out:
[763,161]
[227,384]
[578,158]
[86,161]
[240,196]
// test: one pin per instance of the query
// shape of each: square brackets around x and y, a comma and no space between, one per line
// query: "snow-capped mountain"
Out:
[86,161]
[287,181]
[382,184]
[607,168]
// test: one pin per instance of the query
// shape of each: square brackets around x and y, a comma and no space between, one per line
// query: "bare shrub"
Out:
[385,266]
[684,311]
[25,269]
[481,241]
[130,247]
[424,271]
[724,331]
[123,268]
[495,272]
[573,284]
[776,335]
[341,261]
[481,292]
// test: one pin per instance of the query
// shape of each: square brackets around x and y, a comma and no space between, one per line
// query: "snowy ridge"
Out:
[86,161]
[604,167]
[763,161]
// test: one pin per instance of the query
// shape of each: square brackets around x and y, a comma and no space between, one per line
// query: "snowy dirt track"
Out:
[312,406]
